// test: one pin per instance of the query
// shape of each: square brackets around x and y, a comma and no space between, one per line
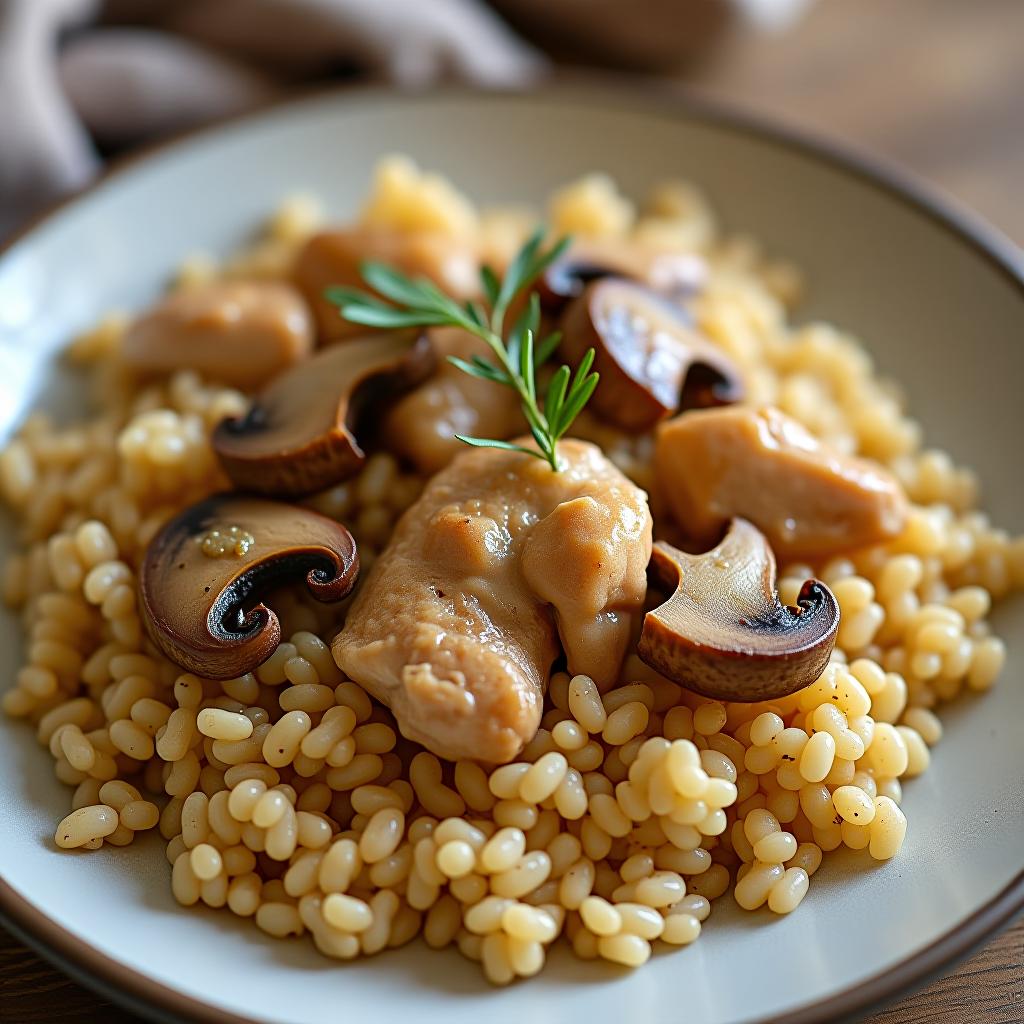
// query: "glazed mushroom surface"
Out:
[651,359]
[302,433]
[240,332]
[458,622]
[204,573]
[759,463]
[723,631]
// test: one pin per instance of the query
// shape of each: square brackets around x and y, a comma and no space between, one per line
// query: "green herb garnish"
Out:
[420,303]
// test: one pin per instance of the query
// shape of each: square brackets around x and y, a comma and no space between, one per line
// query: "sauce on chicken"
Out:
[458,624]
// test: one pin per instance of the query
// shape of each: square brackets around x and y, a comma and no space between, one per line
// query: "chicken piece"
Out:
[761,465]
[422,425]
[238,332]
[457,625]
[333,258]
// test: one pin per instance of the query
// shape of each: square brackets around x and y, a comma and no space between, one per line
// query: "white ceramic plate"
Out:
[940,305]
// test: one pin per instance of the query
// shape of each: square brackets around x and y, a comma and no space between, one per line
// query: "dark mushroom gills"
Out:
[302,432]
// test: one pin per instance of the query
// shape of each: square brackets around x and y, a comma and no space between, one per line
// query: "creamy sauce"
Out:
[459,621]
[226,542]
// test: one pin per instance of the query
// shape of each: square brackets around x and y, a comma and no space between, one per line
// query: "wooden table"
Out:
[934,84]
[987,989]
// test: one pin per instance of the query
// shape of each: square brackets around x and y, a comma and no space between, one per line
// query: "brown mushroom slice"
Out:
[677,275]
[204,572]
[651,360]
[334,257]
[238,332]
[724,633]
[809,500]
[302,433]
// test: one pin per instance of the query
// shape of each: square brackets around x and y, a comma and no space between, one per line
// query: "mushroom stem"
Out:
[724,633]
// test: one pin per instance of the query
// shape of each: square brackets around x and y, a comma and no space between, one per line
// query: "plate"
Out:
[939,301]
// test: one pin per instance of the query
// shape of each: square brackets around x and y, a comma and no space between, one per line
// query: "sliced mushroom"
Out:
[724,633]
[238,332]
[334,258]
[758,463]
[204,572]
[302,433]
[651,360]
[677,275]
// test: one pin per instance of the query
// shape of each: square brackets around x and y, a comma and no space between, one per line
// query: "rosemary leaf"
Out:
[486,442]
[390,318]
[556,395]
[491,285]
[546,349]
[484,372]
[419,302]
[574,404]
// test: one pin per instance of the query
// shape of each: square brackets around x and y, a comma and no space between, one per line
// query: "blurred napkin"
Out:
[77,74]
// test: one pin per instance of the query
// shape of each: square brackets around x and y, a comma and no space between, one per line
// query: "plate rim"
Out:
[143,994]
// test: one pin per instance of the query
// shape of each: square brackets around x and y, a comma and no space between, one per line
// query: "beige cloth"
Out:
[178,63]
[77,73]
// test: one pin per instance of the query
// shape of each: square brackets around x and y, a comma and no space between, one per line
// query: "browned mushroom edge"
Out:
[302,432]
[204,610]
[724,633]
[652,361]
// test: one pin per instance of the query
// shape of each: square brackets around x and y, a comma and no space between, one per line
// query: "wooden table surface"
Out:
[986,989]
[934,84]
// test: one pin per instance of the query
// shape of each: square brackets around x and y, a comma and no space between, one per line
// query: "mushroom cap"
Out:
[651,359]
[724,633]
[300,434]
[204,612]
[677,275]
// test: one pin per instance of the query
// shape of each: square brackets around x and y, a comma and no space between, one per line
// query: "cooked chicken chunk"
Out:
[422,425]
[457,625]
[238,332]
[766,467]
[333,258]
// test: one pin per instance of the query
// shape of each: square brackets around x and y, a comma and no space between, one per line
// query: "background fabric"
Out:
[83,78]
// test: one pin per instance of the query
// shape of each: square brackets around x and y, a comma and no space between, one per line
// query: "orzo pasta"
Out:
[630,805]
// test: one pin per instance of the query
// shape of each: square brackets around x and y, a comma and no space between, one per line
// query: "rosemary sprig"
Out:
[418,302]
